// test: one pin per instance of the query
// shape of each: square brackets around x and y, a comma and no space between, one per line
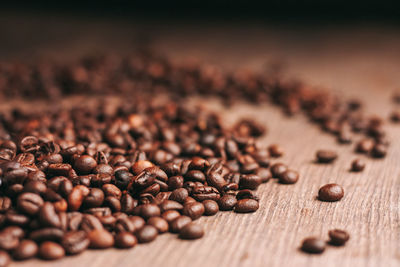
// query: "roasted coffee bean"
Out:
[289,177]
[144,179]
[246,205]
[124,225]
[194,210]
[275,151]
[14,231]
[125,240]
[313,245]
[330,193]
[249,181]
[4,258]
[365,146]
[159,223]
[246,194]
[140,165]
[48,216]
[111,190]
[379,151]
[94,199]
[75,242]
[59,169]
[5,204]
[198,163]
[357,165]
[338,237]
[264,173]
[13,218]
[326,156]
[26,249]
[201,193]
[170,215]
[46,234]
[179,195]
[176,225]
[147,234]
[49,250]
[100,239]
[227,202]
[278,169]
[170,205]
[29,203]
[210,207]
[84,164]
[138,222]
[191,231]
[150,210]
[8,241]
[122,179]
[195,175]
[216,180]
[175,182]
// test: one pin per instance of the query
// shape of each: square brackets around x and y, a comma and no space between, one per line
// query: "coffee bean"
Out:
[140,165]
[29,203]
[326,156]
[100,239]
[191,231]
[170,205]
[330,193]
[246,206]
[277,169]
[26,249]
[201,193]
[289,177]
[170,215]
[14,231]
[338,237]
[365,146]
[210,207]
[4,258]
[249,181]
[150,210]
[49,250]
[176,225]
[48,216]
[379,151]
[125,240]
[46,234]
[357,165]
[193,210]
[227,202]
[159,223]
[75,242]
[8,241]
[138,222]
[275,151]
[179,195]
[313,245]
[147,234]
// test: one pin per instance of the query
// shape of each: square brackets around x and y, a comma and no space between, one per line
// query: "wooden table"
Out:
[362,61]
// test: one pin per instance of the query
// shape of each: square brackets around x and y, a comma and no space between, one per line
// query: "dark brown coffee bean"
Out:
[144,179]
[357,165]
[140,165]
[84,164]
[29,203]
[59,169]
[227,202]
[8,241]
[48,216]
[124,225]
[147,234]
[179,195]
[159,223]
[246,205]
[365,146]
[194,210]
[49,250]
[26,249]
[75,242]
[170,215]
[210,207]
[111,190]
[138,222]
[89,223]
[338,237]
[246,194]
[176,225]
[201,193]
[100,239]
[14,231]
[326,156]
[94,199]
[46,234]
[277,169]
[216,180]
[264,173]
[122,179]
[125,240]
[191,231]
[175,182]
[275,151]
[150,210]
[4,259]
[313,245]
[379,151]
[249,181]
[198,163]
[331,193]
[170,205]
[289,177]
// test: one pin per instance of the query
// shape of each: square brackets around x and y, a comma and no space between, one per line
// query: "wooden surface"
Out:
[359,61]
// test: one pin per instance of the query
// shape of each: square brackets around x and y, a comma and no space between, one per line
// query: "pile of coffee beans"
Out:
[316,245]
[100,176]
[149,72]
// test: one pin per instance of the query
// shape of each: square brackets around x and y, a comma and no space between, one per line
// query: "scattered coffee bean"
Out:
[177,224]
[357,165]
[191,231]
[275,151]
[379,151]
[210,207]
[246,205]
[125,240]
[365,146]
[159,223]
[227,202]
[313,245]
[338,237]
[331,193]
[49,250]
[100,239]
[147,234]
[289,177]
[278,169]
[326,156]
[194,210]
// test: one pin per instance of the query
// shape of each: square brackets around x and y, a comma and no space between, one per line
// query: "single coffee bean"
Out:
[150,210]
[331,193]
[179,195]
[191,231]
[289,177]
[338,237]
[246,194]
[49,250]
[170,215]
[84,164]
[125,240]
[140,165]
[147,234]
[14,231]
[46,234]
[313,245]
[138,222]
[29,203]
[277,169]
[357,165]
[201,193]
[275,151]
[210,207]
[326,156]
[176,225]
[26,249]
[75,242]
[100,239]
[159,223]
[379,151]
[365,145]
[8,241]
[249,181]
[170,205]
[193,210]
[48,216]
[4,259]
[264,173]
[246,205]
[227,202]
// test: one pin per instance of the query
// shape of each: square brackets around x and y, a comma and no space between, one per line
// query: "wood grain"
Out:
[356,61]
